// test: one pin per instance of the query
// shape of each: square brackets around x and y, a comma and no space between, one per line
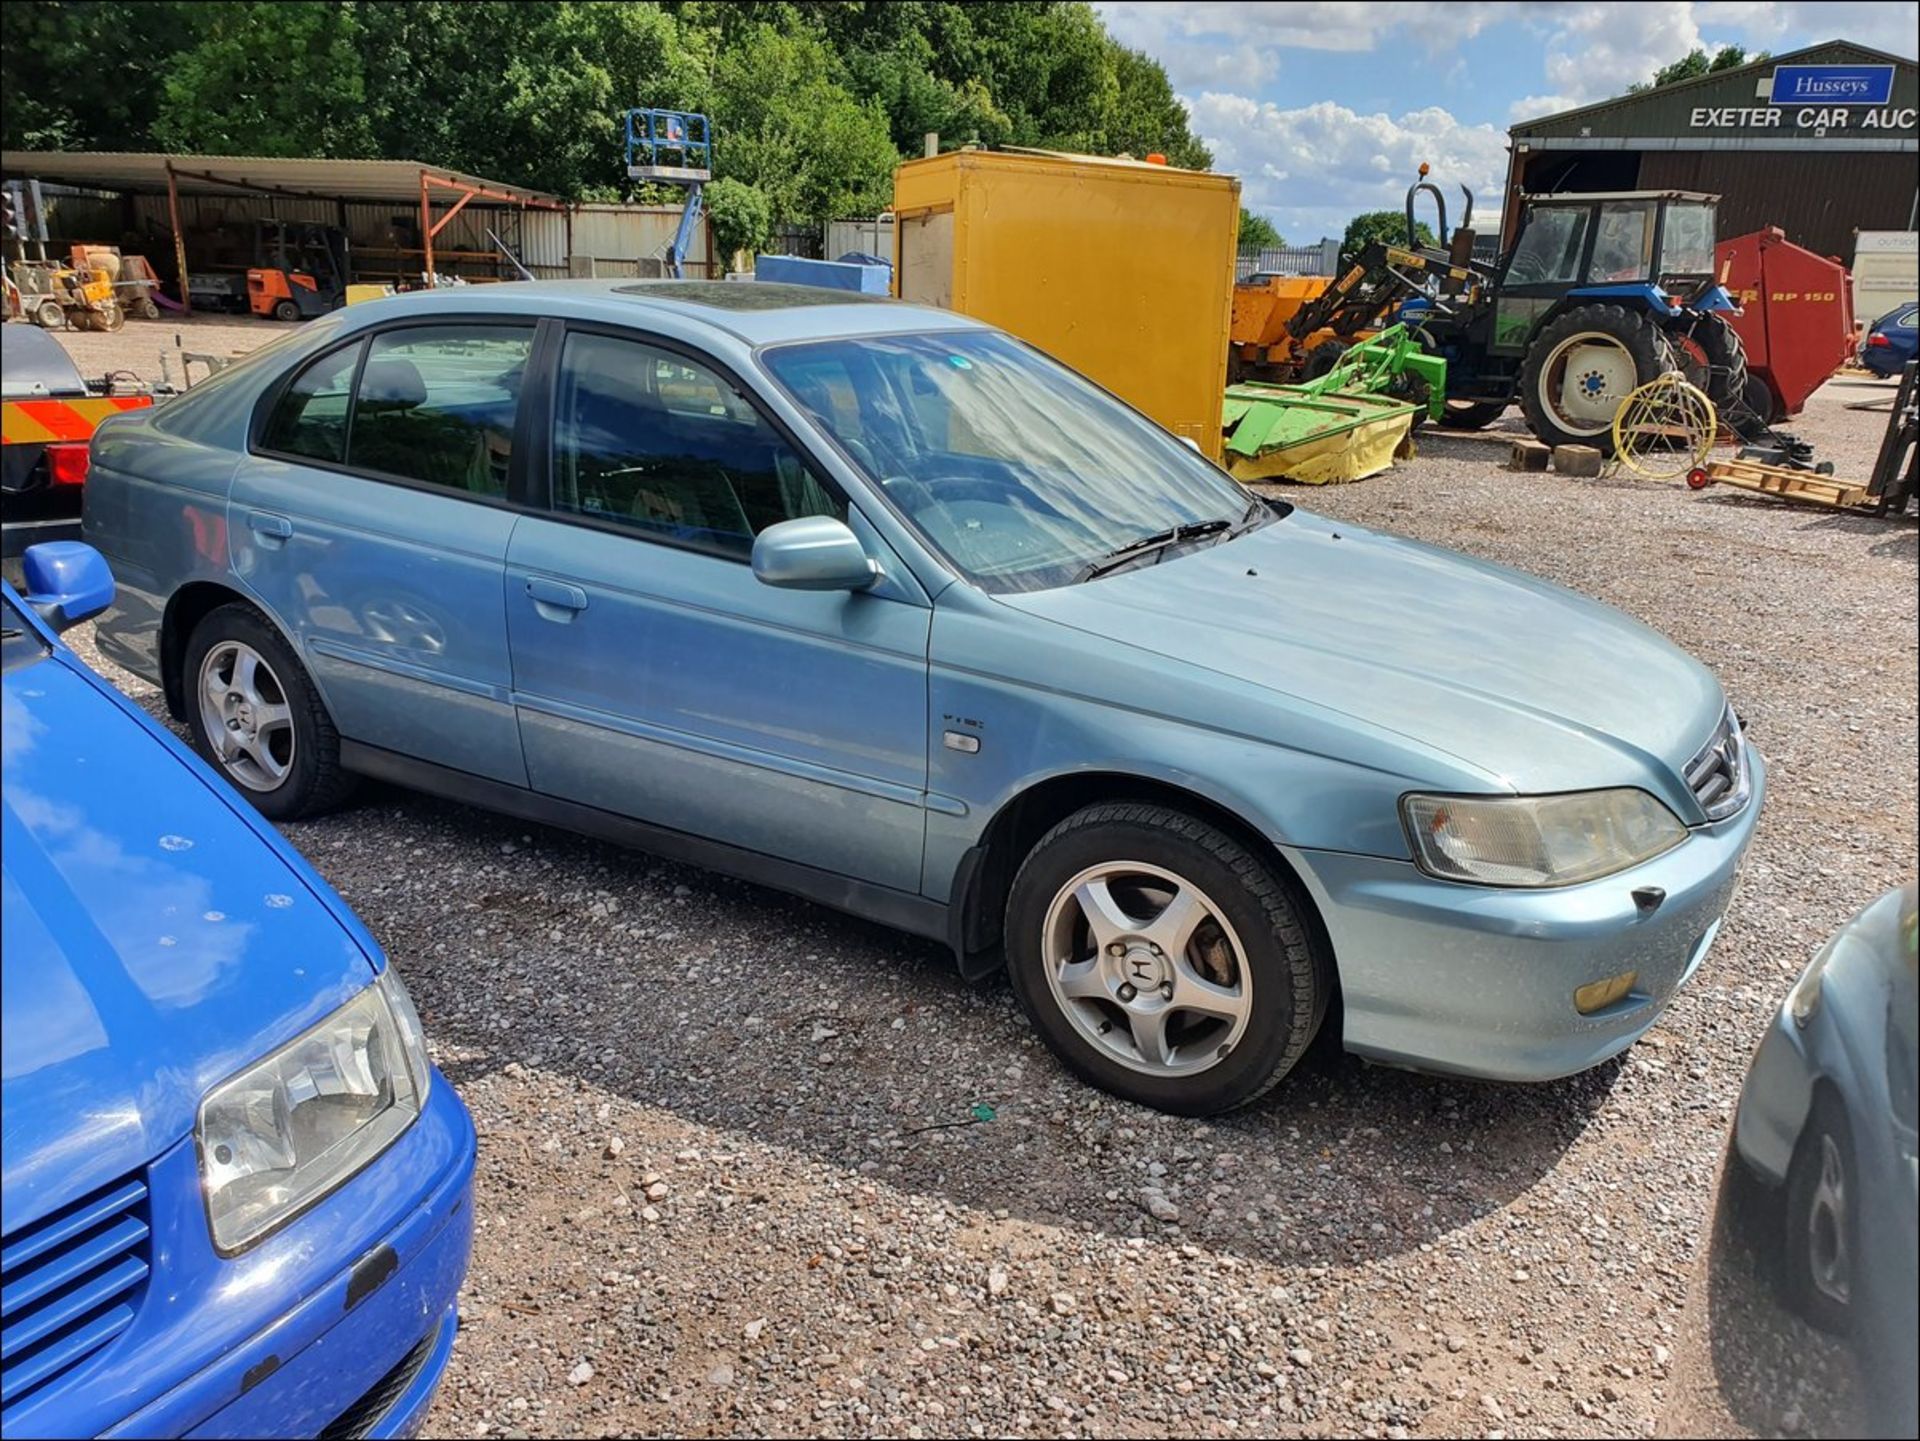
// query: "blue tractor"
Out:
[1599,294]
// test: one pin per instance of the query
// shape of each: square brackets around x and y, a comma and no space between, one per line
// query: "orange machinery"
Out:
[1259,347]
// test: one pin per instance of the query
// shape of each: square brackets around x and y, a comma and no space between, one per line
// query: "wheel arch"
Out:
[986,873]
[185,609]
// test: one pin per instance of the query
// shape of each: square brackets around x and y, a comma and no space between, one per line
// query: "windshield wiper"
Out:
[1146,544]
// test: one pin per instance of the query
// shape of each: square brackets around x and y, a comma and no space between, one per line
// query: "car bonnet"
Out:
[1534,685]
[154,941]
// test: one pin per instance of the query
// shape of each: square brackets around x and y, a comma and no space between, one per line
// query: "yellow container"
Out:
[357,293]
[1121,269]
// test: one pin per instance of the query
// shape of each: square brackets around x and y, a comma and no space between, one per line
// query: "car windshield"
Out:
[1023,475]
[20,643]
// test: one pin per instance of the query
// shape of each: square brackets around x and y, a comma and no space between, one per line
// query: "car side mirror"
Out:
[815,552]
[66,582]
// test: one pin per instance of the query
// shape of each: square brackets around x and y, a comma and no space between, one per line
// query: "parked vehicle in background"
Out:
[876,604]
[235,1191]
[47,413]
[1828,1115]
[1891,341]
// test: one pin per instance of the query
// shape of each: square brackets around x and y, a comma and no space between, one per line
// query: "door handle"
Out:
[269,526]
[555,600]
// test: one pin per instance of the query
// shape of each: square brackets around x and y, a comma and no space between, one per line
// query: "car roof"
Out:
[756,312]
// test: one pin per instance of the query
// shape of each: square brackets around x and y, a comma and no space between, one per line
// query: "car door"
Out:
[371,518]
[657,678]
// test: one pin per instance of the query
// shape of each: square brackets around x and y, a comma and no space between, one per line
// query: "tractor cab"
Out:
[1646,247]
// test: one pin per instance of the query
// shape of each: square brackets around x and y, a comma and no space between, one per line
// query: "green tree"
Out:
[1694,64]
[85,74]
[268,79]
[1387,225]
[1257,232]
[742,217]
[785,125]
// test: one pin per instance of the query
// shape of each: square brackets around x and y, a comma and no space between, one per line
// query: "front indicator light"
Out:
[1537,841]
[1598,995]
[303,1120]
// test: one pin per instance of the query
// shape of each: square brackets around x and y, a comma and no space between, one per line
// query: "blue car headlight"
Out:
[302,1120]
[1537,841]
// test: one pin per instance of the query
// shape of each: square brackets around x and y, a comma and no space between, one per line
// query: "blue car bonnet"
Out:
[155,941]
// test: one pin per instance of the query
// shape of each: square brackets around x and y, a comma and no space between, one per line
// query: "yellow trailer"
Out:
[1120,268]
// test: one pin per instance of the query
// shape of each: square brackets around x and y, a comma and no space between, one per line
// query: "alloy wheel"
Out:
[1829,1253]
[245,715]
[1146,967]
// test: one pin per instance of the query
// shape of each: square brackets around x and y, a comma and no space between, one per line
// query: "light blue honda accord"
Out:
[876,604]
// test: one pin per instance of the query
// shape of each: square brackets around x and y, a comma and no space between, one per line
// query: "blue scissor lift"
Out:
[671,147]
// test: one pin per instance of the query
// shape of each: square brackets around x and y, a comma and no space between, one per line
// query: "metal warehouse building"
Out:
[1820,142]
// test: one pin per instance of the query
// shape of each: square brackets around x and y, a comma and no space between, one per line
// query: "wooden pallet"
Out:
[1801,485]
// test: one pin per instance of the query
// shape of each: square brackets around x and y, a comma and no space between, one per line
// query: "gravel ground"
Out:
[708,1201]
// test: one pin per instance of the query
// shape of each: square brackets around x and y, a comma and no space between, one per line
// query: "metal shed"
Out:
[1820,141]
[402,217]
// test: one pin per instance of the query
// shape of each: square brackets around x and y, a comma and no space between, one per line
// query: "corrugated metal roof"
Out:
[1677,97]
[143,173]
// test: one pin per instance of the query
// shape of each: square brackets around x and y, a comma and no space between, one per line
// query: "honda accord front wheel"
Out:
[1162,959]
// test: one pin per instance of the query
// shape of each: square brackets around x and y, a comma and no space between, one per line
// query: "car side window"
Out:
[646,438]
[310,418]
[436,403]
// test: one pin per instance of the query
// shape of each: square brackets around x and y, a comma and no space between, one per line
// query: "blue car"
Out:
[879,605]
[236,1193]
[1891,341]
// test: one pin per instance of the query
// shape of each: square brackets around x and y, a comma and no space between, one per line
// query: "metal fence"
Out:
[1320,259]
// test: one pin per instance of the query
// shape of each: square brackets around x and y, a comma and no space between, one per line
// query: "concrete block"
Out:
[1582,460]
[1528,455]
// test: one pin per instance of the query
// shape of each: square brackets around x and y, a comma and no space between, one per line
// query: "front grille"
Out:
[69,1284]
[1717,776]
[363,1415]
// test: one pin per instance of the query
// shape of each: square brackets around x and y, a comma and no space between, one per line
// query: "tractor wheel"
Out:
[110,316]
[1712,357]
[48,315]
[1322,358]
[1757,396]
[285,310]
[1472,414]
[1581,366]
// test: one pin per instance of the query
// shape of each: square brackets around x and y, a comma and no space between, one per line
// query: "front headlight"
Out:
[299,1122]
[1804,999]
[1537,840]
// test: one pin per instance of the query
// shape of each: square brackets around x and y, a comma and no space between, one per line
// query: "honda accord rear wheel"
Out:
[256,717]
[1162,959]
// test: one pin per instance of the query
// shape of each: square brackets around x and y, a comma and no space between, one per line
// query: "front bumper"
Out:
[1479,981]
[345,1317]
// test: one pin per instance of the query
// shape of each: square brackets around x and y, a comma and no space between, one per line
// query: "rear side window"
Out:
[310,418]
[647,439]
[437,403]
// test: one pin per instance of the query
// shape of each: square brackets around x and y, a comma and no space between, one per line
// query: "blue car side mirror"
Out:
[67,582]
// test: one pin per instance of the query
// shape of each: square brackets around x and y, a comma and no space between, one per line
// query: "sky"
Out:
[1325,110]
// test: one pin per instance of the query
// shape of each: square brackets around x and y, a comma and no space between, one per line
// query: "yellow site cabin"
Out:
[1123,269]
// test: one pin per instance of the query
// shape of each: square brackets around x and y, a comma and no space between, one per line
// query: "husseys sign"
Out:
[1819,98]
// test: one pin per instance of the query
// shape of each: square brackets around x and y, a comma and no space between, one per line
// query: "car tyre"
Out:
[1822,1219]
[276,743]
[1222,1011]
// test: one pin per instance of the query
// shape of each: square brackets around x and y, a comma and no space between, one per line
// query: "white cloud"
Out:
[1205,41]
[1595,52]
[1314,167]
